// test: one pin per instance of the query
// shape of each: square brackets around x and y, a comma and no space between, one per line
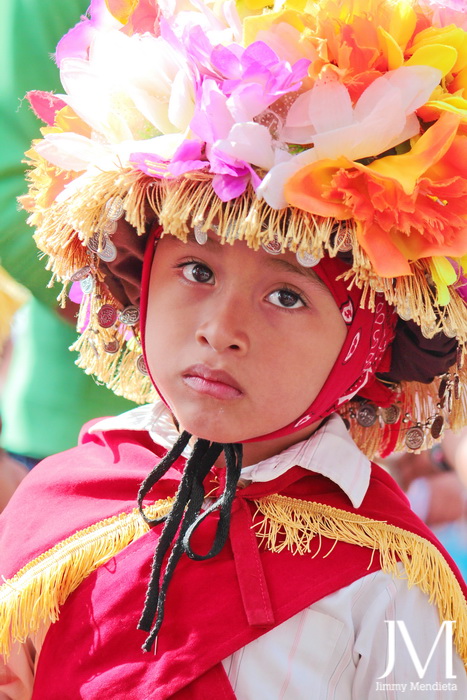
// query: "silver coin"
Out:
[306,259]
[344,242]
[415,438]
[273,247]
[366,415]
[109,228]
[80,274]
[390,414]
[200,235]
[96,242]
[87,284]
[129,316]
[114,208]
[108,252]
[142,366]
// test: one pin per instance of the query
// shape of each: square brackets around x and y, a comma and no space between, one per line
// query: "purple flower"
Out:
[188,157]
[76,42]
[231,175]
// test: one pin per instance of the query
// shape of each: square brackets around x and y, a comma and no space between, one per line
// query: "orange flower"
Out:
[406,207]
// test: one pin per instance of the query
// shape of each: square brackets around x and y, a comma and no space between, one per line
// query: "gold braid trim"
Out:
[34,595]
[293,524]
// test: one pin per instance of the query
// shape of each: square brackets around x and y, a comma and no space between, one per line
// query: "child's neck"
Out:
[254,452]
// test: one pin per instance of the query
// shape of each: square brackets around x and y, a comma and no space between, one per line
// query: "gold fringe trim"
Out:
[293,524]
[34,595]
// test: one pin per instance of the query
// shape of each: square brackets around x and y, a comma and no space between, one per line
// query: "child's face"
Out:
[239,342]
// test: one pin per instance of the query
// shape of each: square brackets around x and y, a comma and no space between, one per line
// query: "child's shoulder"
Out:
[72,490]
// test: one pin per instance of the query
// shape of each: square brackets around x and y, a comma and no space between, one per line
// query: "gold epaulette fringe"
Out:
[34,595]
[293,524]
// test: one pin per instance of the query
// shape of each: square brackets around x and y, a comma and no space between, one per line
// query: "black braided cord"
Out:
[184,518]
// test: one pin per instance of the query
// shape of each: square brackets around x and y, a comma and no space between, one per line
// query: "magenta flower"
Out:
[76,42]
[188,157]
[231,175]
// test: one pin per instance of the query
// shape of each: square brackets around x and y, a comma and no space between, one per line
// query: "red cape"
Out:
[213,607]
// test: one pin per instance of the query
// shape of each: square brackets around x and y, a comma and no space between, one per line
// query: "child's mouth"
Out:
[215,383]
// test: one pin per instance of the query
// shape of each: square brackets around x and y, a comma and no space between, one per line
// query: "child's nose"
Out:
[225,327]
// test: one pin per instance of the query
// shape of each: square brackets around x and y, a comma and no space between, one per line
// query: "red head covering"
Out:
[366,349]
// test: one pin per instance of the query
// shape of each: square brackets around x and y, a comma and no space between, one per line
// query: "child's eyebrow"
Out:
[290,267]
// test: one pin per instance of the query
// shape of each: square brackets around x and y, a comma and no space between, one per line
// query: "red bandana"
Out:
[366,349]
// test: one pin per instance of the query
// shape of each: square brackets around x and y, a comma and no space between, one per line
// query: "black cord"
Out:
[184,518]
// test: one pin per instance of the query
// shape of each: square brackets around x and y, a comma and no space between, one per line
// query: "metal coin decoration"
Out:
[405,312]
[414,438]
[366,415]
[306,259]
[87,284]
[391,414]
[457,384]
[129,316]
[112,347]
[437,427]
[442,387]
[200,236]
[108,252]
[142,366]
[109,228]
[80,274]
[95,242]
[344,241]
[106,316]
[273,247]
[114,208]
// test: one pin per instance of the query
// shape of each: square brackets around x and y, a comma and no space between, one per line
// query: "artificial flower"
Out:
[405,207]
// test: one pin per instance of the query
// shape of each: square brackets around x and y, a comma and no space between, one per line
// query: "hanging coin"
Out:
[114,208]
[80,274]
[442,387]
[87,284]
[366,415]
[112,347]
[129,316]
[200,235]
[142,366]
[108,252]
[273,247]
[437,427]
[109,228]
[95,242]
[390,414]
[344,241]
[457,387]
[106,316]
[306,259]
[414,438]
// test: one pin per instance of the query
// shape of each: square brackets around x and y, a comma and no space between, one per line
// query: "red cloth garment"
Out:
[366,349]
[214,607]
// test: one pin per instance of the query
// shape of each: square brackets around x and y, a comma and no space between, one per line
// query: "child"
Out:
[296,179]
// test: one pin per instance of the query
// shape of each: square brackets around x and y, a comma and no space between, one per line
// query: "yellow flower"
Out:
[443,274]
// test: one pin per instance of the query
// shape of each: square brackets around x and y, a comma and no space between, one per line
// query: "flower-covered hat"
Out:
[330,128]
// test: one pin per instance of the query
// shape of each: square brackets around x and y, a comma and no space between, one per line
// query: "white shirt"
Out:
[337,648]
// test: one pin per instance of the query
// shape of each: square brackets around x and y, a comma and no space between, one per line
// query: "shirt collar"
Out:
[330,451]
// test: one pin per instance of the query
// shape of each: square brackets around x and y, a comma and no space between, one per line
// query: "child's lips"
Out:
[212,382]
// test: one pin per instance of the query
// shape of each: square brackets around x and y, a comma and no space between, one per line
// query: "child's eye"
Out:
[197,272]
[286,299]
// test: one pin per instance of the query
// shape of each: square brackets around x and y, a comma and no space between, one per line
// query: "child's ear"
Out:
[122,277]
